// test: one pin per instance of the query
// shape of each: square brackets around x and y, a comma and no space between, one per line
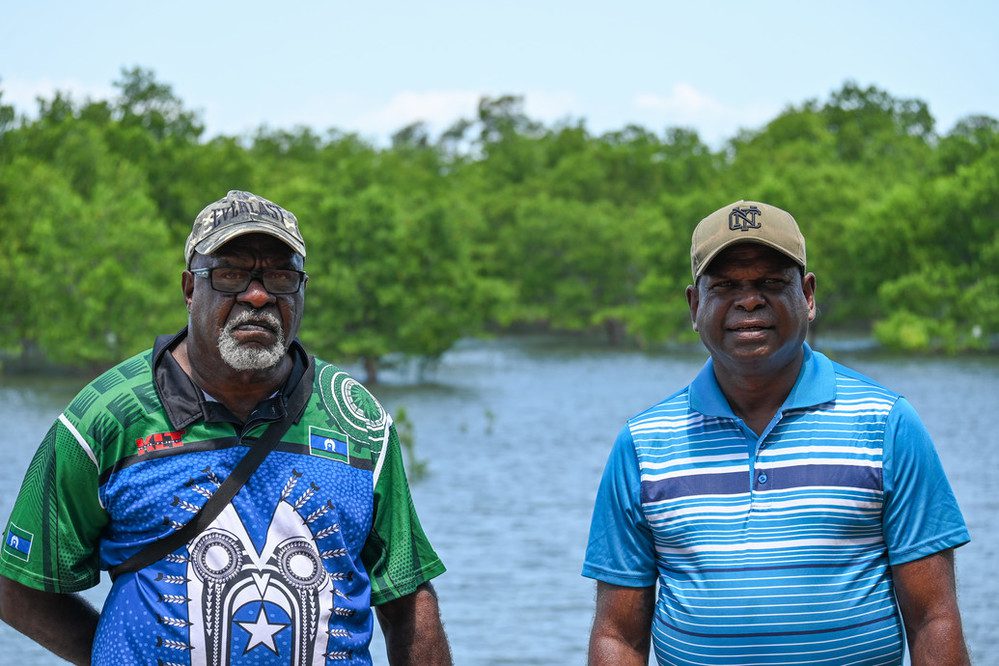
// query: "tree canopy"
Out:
[499,223]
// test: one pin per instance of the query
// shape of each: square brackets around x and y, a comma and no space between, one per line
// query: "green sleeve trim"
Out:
[401,589]
[47,584]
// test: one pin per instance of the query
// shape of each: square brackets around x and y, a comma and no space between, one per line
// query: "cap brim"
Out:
[735,241]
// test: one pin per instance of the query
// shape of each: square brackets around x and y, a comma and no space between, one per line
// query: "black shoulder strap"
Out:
[247,465]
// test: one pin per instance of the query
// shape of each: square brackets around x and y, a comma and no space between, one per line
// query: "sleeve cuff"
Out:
[954,539]
[45,584]
[617,577]
[399,590]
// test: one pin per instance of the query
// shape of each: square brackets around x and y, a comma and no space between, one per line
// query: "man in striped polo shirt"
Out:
[791,510]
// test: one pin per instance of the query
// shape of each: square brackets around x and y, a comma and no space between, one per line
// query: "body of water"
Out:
[515,434]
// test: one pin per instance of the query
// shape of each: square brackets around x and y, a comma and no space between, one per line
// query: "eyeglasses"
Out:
[236,280]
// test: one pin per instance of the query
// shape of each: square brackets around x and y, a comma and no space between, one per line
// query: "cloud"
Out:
[23,93]
[372,117]
[687,106]
[549,106]
[439,109]
[378,117]
[684,101]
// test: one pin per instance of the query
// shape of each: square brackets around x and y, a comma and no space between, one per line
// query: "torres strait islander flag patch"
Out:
[17,542]
[328,444]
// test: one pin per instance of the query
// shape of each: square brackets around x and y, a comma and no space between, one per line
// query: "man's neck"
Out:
[756,397]
[239,390]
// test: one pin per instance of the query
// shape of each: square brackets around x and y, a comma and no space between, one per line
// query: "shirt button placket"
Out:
[761,478]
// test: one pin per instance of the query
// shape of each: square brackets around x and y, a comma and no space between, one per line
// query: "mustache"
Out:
[261,318]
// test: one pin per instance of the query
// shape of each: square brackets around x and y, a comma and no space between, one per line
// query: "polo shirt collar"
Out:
[184,402]
[816,384]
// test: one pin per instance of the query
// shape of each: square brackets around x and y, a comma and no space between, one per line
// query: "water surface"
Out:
[515,434]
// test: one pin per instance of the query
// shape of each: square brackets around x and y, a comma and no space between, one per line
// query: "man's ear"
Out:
[808,289]
[187,286]
[692,303]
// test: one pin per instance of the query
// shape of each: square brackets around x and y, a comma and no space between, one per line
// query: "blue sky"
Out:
[374,67]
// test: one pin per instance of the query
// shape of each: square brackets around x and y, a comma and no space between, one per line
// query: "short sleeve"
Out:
[397,555]
[620,549]
[51,539]
[921,515]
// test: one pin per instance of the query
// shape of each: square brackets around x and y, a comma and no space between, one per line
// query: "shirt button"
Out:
[762,478]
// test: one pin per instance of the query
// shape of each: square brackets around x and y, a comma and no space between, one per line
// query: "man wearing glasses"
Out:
[286,571]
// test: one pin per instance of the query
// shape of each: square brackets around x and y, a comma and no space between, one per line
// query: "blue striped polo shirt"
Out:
[773,549]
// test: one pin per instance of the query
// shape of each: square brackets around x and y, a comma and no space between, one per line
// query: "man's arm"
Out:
[927,597]
[413,630]
[622,626]
[62,623]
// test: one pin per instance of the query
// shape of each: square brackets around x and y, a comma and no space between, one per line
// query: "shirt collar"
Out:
[816,384]
[184,401]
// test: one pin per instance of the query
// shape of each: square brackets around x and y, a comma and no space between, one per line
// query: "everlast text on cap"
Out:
[241,213]
[745,222]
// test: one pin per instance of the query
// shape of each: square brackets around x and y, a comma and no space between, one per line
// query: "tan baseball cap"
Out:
[239,213]
[745,222]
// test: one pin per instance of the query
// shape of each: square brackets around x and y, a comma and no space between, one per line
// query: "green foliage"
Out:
[500,222]
[947,297]
[660,313]
[391,279]
[417,468]
[573,265]
[7,115]
[151,105]
[86,275]
[944,308]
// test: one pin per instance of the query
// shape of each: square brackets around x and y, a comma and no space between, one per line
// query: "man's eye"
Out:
[229,273]
[281,280]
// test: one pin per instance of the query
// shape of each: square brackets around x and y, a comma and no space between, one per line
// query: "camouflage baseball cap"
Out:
[241,213]
[745,222]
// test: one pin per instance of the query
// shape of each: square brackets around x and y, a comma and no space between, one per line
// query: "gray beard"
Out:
[239,357]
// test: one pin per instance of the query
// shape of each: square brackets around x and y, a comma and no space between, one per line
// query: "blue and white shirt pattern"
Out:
[773,549]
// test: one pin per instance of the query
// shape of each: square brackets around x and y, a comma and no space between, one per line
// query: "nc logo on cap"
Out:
[744,219]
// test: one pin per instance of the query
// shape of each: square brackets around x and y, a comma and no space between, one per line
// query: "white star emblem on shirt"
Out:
[261,632]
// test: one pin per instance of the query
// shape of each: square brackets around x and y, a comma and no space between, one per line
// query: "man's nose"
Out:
[750,298]
[255,295]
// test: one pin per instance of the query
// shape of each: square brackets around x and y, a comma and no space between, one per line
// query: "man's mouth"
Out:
[253,324]
[750,327]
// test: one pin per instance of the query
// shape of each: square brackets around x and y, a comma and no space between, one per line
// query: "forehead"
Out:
[749,255]
[258,246]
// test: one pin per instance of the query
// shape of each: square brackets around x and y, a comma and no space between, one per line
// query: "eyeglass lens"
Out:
[236,280]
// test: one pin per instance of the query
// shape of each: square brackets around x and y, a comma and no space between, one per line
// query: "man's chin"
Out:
[251,356]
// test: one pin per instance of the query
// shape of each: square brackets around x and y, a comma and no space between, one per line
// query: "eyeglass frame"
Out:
[255,274]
